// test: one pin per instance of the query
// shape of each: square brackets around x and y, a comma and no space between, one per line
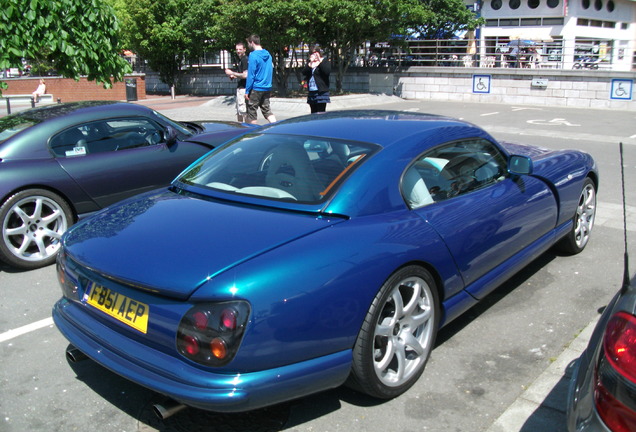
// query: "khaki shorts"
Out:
[258,99]
[241,102]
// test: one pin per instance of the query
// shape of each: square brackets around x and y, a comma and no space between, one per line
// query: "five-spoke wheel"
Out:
[397,335]
[583,221]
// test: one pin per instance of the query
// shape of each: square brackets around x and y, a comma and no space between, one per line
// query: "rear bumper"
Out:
[581,413]
[580,408]
[192,385]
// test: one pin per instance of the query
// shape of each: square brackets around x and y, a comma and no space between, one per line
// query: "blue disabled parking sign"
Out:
[622,89]
[481,83]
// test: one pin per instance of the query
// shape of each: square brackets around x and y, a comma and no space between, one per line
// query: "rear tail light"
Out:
[210,334]
[66,276]
[615,392]
[620,344]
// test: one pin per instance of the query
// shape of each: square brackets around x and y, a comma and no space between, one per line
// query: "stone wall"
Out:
[582,89]
[550,87]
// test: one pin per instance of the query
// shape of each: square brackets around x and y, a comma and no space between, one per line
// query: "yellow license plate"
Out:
[130,312]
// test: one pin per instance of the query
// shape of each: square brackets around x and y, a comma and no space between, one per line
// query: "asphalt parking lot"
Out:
[501,367]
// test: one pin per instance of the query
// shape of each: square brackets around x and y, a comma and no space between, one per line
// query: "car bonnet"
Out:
[170,244]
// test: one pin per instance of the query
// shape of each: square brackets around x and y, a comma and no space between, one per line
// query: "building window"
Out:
[582,22]
[611,6]
[586,4]
[552,21]
[553,3]
[496,4]
[598,5]
[533,4]
[530,22]
[624,26]
[514,4]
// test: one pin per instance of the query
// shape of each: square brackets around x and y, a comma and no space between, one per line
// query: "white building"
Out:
[566,30]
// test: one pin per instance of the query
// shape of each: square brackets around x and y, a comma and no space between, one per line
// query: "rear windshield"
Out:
[10,126]
[279,167]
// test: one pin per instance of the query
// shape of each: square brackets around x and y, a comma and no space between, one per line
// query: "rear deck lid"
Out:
[170,244]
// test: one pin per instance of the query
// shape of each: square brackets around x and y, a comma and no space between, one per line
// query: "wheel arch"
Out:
[437,278]
[47,188]
[592,175]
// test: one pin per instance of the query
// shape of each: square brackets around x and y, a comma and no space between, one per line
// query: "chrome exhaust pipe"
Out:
[167,409]
[74,355]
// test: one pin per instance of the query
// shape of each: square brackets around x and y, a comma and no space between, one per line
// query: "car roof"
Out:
[84,108]
[402,137]
[382,127]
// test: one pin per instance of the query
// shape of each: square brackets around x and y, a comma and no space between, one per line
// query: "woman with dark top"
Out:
[316,74]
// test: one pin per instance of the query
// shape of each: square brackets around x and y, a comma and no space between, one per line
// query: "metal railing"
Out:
[500,53]
[488,52]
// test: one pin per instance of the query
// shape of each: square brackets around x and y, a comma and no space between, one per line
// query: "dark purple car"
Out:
[63,161]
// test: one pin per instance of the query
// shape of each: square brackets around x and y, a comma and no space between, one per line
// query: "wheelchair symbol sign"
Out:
[622,89]
[481,83]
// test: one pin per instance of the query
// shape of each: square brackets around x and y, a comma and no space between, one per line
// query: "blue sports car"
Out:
[317,251]
[63,161]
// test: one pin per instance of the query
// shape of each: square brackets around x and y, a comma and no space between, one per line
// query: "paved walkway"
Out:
[222,107]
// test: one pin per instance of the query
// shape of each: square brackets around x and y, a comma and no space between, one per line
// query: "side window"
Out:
[69,143]
[106,136]
[451,170]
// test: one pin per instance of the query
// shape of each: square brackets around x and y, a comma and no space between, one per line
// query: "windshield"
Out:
[182,131]
[279,167]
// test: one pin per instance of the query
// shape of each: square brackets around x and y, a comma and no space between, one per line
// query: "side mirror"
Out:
[520,165]
[170,136]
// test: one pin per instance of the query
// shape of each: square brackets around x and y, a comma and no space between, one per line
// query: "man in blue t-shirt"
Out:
[259,81]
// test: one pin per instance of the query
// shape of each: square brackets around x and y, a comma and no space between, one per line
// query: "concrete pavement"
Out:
[542,405]
[222,107]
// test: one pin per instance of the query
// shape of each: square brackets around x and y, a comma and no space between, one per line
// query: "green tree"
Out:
[280,24]
[339,26]
[123,18]
[167,33]
[444,19]
[345,25]
[77,37]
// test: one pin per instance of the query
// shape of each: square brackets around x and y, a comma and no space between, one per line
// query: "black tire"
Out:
[395,342]
[31,223]
[582,221]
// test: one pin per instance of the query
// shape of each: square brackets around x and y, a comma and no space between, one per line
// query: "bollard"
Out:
[8,106]
[32,102]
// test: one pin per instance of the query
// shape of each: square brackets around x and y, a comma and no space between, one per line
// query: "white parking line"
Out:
[8,335]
